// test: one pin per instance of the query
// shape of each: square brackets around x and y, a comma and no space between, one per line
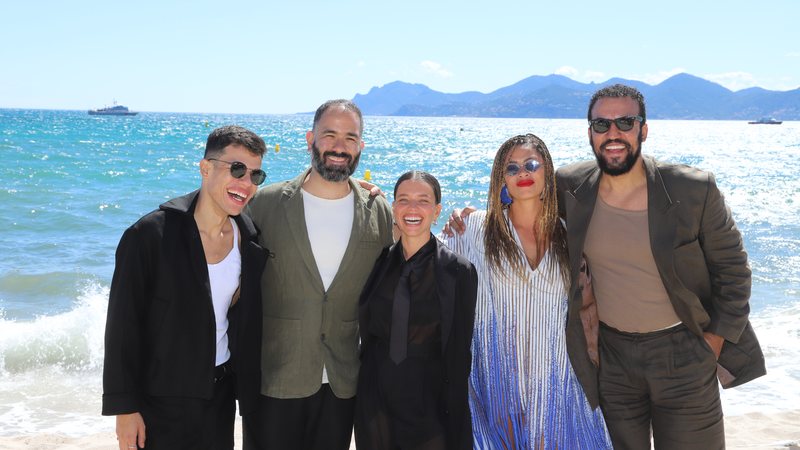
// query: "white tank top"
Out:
[224,279]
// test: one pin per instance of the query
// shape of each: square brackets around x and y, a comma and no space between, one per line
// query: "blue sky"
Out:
[290,56]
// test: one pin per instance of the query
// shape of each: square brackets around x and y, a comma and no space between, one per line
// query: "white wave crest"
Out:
[70,341]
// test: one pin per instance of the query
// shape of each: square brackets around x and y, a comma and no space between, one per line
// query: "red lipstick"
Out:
[525,183]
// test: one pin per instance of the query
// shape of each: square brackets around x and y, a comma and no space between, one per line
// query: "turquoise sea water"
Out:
[71,183]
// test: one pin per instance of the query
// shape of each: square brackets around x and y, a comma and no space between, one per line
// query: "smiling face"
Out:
[335,144]
[228,194]
[617,151]
[524,184]
[415,208]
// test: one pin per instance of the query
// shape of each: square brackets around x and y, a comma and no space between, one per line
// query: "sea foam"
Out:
[51,369]
[71,341]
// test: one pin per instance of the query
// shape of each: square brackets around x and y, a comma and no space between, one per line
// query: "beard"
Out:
[621,167]
[335,173]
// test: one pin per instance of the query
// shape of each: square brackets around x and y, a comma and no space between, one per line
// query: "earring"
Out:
[505,199]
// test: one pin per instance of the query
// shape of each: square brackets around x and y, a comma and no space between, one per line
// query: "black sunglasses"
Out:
[622,123]
[238,169]
[530,166]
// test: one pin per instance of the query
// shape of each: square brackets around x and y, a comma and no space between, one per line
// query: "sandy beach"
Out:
[755,431]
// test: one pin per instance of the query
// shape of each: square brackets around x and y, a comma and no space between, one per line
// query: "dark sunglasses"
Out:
[530,166]
[622,123]
[238,169]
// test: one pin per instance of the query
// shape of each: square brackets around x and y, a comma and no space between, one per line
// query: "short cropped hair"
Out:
[236,135]
[347,105]
[618,91]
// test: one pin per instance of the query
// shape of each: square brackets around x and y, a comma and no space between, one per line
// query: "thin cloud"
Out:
[567,71]
[658,77]
[733,80]
[436,69]
[593,75]
[793,54]
[584,77]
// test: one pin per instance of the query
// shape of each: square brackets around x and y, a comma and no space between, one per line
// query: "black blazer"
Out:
[160,330]
[457,286]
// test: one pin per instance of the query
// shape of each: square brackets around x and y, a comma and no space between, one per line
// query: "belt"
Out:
[222,371]
[649,334]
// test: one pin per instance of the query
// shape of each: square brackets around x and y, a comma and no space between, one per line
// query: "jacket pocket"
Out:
[744,361]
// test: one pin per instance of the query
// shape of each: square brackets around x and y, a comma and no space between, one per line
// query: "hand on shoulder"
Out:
[455,224]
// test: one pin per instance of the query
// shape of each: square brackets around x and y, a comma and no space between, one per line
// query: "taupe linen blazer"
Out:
[305,326]
[698,252]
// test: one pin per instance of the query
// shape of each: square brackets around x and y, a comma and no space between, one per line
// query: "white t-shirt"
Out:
[329,224]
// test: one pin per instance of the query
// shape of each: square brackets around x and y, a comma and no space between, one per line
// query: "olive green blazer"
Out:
[305,326]
[698,252]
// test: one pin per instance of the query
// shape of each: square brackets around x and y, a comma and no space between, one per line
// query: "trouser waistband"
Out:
[222,371]
[649,334]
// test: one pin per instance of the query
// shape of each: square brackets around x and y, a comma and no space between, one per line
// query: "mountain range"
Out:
[681,96]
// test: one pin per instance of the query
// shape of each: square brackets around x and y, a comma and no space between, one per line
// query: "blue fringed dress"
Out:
[523,391]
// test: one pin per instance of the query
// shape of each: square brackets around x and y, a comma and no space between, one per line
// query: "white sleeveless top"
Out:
[224,279]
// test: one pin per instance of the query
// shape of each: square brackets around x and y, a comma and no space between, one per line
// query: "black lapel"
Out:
[446,272]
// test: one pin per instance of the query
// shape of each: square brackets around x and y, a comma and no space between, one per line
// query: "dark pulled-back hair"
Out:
[429,179]
[618,91]
[233,135]
[347,105]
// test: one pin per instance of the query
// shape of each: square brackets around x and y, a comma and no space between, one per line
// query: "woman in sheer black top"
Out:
[416,316]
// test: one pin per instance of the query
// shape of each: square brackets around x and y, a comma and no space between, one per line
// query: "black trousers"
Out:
[664,381]
[191,423]
[320,422]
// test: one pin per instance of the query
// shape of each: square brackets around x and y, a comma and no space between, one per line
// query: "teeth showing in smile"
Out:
[334,159]
[238,196]
[412,220]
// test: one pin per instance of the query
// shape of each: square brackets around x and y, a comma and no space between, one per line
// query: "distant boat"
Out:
[766,121]
[116,110]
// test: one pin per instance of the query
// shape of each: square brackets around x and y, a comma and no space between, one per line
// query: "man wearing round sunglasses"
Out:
[672,284]
[325,233]
[186,276]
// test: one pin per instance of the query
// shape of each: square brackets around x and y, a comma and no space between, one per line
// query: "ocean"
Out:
[72,183]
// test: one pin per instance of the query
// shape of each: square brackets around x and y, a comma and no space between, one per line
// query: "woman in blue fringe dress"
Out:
[524,393]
